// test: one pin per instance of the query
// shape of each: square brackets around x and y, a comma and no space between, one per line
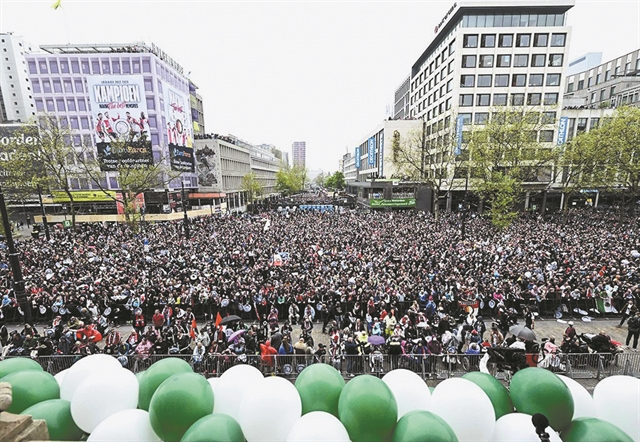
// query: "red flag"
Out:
[218,319]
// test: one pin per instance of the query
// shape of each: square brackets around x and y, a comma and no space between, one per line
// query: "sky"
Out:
[270,72]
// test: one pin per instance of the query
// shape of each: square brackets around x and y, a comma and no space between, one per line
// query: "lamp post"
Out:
[14,261]
[186,218]
[463,225]
[44,215]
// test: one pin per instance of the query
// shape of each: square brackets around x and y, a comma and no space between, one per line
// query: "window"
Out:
[74,123]
[71,105]
[82,105]
[555,60]
[106,67]
[504,61]
[84,122]
[505,40]
[449,70]
[484,80]
[468,61]
[553,80]
[452,47]
[534,99]
[595,122]
[603,94]
[546,136]
[483,100]
[550,99]
[148,85]
[558,40]
[486,61]
[449,85]
[517,99]
[466,100]
[39,105]
[50,107]
[136,66]
[481,117]
[540,40]
[501,80]
[60,104]
[488,41]
[68,89]
[33,68]
[570,87]
[64,67]
[535,80]
[518,80]
[538,60]
[580,85]
[95,67]
[126,67]
[499,99]
[548,117]
[146,66]
[36,86]
[466,119]
[46,86]
[57,86]
[75,67]
[85,67]
[78,85]
[467,80]
[43,67]
[520,61]
[523,40]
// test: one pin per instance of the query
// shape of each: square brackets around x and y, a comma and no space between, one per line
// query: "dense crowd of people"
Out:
[399,281]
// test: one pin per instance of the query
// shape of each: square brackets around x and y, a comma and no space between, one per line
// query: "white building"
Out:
[16,95]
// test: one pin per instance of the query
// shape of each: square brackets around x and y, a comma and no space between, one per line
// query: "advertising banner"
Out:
[396,202]
[136,204]
[459,126]
[208,166]
[357,159]
[562,130]
[371,153]
[14,136]
[179,129]
[83,196]
[119,112]
[381,155]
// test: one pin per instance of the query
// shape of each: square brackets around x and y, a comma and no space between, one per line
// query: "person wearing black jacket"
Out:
[634,330]
[351,351]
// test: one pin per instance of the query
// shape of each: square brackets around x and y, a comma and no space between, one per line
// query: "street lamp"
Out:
[44,215]
[14,260]
[186,218]
[463,225]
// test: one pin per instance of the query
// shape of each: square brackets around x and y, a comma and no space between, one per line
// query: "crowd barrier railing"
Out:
[573,365]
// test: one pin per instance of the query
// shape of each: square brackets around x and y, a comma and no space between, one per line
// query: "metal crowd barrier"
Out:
[573,365]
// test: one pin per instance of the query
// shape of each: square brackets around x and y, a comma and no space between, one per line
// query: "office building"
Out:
[16,94]
[197,109]
[584,62]
[299,153]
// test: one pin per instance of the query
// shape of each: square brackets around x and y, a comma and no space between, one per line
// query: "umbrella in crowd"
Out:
[523,332]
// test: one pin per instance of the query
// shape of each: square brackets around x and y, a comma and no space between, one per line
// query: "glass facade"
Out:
[512,20]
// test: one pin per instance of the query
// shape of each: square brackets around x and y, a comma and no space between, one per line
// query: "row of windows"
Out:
[517,60]
[72,104]
[513,20]
[502,80]
[597,79]
[69,85]
[94,66]
[532,99]
[507,40]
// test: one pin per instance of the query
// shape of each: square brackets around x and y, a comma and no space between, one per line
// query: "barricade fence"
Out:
[573,365]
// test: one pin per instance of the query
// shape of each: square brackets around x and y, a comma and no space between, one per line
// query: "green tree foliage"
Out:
[505,155]
[335,181]
[290,180]
[252,186]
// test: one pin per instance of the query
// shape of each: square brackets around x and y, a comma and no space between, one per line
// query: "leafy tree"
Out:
[505,154]
[335,181]
[252,186]
[290,180]
[321,179]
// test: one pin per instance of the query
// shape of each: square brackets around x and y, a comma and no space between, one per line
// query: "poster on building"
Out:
[208,166]
[357,159]
[562,130]
[371,152]
[120,120]
[13,137]
[381,155]
[136,204]
[179,130]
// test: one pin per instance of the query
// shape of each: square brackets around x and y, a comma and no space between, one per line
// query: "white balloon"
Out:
[232,386]
[129,425]
[465,407]
[583,405]
[617,400]
[410,391]
[518,427]
[269,412]
[212,383]
[318,426]
[101,395]
[99,360]
[76,376]
[60,376]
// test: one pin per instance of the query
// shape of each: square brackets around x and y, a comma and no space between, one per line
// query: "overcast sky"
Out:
[278,72]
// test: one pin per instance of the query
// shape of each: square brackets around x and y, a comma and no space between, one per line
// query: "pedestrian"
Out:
[634,330]
[628,311]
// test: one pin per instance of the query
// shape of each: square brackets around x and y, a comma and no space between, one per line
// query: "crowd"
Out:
[398,282]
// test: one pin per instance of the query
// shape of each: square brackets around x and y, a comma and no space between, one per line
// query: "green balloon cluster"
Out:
[368,409]
[423,426]
[156,375]
[57,414]
[31,387]
[536,390]
[319,386]
[587,429]
[498,393]
[216,427]
[178,403]
[14,365]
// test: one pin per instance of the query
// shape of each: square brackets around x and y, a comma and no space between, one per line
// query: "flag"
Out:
[218,319]
[57,4]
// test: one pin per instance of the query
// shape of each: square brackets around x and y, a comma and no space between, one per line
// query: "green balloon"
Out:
[587,429]
[498,393]
[139,375]
[31,387]
[423,426]
[216,427]
[319,386]
[178,403]
[536,390]
[431,389]
[13,365]
[57,414]
[368,409]
[156,375]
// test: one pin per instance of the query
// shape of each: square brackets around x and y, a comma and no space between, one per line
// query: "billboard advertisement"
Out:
[357,159]
[12,137]
[119,112]
[562,130]
[208,165]
[371,152]
[381,155]
[179,129]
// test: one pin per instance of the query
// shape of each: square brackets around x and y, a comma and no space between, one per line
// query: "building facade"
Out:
[402,97]
[16,93]
[197,109]
[299,153]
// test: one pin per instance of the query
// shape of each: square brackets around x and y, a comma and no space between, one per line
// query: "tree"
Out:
[290,180]
[320,179]
[504,154]
[252,186]
[50,162]
[335,181]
